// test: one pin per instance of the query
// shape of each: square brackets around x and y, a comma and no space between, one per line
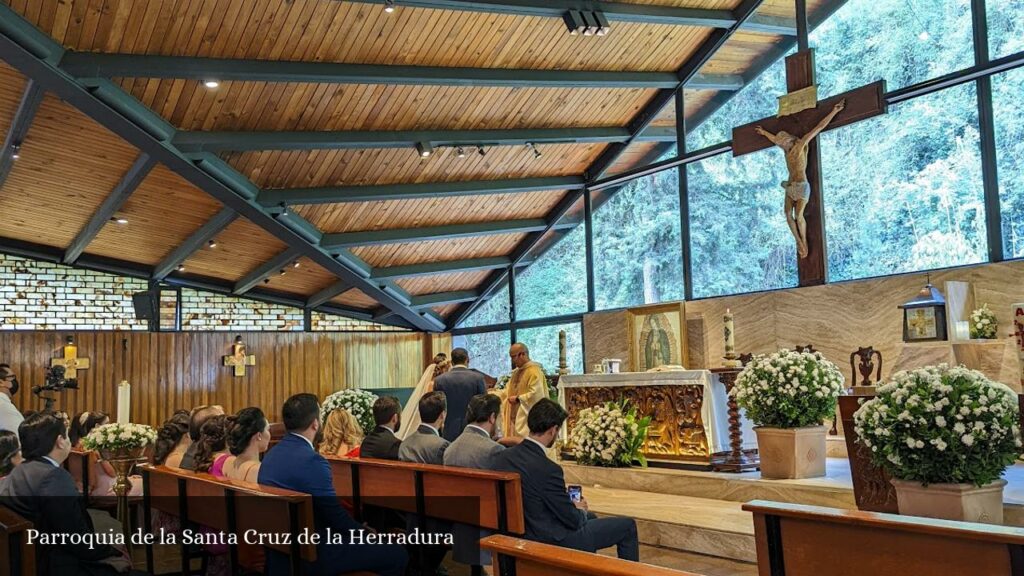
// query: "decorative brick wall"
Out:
[208,311]
[38,295]
[332,323]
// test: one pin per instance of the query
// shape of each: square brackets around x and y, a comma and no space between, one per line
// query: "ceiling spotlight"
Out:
[460,152]
[181,268]
[424,149]
[119,219]
[603,28]
[284,209]
[266,280]
[574,22]
[211,83]
[296,264]
[536,151]
[586,22]
[282,272]
[480,150]
[212,243]
[389,6]
[15,151]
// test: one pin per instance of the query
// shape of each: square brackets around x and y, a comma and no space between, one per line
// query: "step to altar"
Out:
[717,528]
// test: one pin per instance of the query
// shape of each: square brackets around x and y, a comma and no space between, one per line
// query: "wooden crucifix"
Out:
[800,119]
[238,359]
[71,362]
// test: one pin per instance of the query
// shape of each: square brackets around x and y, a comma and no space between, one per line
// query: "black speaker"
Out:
[145,304]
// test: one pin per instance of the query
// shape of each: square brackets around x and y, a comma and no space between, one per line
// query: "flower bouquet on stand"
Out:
[983,324]
[122,446]
[945,435]
[358,403]
[788,395]
[610,434]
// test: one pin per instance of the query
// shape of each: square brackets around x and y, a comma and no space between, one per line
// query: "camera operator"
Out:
[10,417]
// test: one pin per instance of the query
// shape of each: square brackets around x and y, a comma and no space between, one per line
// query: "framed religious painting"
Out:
[657,336]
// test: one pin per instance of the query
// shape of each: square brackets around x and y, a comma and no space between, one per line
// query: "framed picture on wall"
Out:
[657,336]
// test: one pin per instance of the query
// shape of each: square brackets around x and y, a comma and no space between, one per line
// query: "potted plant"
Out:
[984,323]
[358,403]
[945,435]
[609,434]
[788,395]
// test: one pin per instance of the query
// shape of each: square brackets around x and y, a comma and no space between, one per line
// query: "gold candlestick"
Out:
[123,461]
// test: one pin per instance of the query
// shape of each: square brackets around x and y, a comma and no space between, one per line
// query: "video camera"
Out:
[54,382]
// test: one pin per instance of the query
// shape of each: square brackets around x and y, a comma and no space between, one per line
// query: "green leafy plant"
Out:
[789,389]
[984,323]
[941,425]
[610,434]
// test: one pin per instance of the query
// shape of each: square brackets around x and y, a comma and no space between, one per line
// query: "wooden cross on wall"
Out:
[71,362]
[861,103]
[238,359]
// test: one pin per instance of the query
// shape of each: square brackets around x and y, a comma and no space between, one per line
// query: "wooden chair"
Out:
[518,557]
[230,506]
[19,558]
[797,540]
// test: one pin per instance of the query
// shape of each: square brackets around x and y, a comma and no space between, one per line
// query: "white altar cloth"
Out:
[714,410]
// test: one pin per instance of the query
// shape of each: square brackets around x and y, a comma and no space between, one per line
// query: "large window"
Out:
[556,283]
[903,191]
[901,41]
[1009,120]
[739,238]
[637,254]
[488,351]
[494,311]
[1005,27]
[543,345]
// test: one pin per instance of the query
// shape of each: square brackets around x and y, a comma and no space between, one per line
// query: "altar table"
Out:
[688,410]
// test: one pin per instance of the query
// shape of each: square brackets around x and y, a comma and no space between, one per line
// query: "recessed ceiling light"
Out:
[461,152]
[119,219]
[212,243]
[389,6]
[15,151]
[181,267]
[424,149]
[296,264]
[480,150]
[282,272]
[211,83]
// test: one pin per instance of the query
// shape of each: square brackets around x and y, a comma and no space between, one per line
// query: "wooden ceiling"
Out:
[70,163]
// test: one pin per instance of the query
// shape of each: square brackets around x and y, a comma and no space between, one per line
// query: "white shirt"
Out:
[51,461]
[10,417]
[304,438]
[485,432]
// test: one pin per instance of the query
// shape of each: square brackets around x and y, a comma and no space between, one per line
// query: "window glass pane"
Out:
[756,100]
[488,351]
[1005,27]
[637,254]
[739,236]
[543,345]
[1009,121]
[556,283]
[901,41]
[903,191]
[494,311]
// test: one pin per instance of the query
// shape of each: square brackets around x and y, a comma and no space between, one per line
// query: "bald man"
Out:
[526,387]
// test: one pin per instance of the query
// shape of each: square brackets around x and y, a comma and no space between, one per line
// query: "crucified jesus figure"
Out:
[798,190]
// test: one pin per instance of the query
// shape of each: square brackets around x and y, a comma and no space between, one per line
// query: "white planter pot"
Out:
[791,452]
[964,502]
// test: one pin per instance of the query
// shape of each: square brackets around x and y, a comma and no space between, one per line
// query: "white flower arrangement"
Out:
[941,425]
[503,381]
[358,403]
[984,323]
[116,437]
[609,434]
[789,389]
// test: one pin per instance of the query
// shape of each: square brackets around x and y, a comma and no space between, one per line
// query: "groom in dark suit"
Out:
[459,385]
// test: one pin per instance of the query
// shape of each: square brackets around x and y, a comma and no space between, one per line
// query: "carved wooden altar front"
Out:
[677,427]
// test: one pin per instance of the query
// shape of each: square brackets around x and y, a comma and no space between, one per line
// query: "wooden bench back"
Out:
[194,496]
[798,540]
[19,558]
[527,558]
[82,465]
[406,486]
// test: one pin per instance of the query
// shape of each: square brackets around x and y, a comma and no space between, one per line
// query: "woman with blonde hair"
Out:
[342,434]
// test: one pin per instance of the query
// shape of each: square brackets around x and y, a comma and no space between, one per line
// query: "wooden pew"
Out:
[19,558]
[246,506]
[527,558]
[798,540]
[424,489]
[81,464]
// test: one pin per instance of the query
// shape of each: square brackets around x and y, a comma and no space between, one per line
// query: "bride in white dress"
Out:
[411,413]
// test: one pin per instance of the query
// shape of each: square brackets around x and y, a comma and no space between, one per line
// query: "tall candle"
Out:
[124,402]
[730,334]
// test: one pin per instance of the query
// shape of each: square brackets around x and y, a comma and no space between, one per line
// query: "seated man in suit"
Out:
[382,442]
[459,384]
[425,445]
[45,494]
[551,516]
[294,465]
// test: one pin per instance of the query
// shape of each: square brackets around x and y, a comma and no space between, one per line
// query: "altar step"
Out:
[710,527]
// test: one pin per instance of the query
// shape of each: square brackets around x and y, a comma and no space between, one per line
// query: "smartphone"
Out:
[575,492]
